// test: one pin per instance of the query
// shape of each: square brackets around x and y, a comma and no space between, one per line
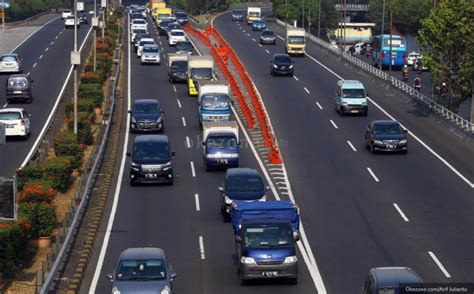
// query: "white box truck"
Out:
[200,68]
[253,13]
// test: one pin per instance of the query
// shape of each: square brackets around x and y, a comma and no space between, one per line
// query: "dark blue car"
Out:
[386,136]
[147,116]
[390,280]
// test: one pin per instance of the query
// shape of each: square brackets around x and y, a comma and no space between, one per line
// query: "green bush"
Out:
[13,248]
[91,91]
[27,174]
[84,131]
[37,191]
[85,88]
[41,216]
[86,104]
[66,143]
[91,78]
[58,170]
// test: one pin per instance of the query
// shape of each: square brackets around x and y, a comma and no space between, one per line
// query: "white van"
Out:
[351,97]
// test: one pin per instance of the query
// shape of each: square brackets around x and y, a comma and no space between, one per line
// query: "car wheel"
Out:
[404,151]
[133,182]
[366,113]
[162,130]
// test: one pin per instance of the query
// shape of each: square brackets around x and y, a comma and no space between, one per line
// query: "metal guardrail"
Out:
[441,111]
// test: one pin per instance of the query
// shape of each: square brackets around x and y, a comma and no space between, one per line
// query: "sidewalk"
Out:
[10,38]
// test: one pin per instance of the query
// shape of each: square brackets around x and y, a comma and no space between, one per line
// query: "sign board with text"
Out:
[7,199]
[103,3]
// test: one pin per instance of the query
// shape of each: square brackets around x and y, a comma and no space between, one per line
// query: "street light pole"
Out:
[302,15]
[75,67]
[383,23]
[95,37]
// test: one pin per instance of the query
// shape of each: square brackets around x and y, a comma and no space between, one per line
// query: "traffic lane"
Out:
[431,130]
[49,77]
[292,160]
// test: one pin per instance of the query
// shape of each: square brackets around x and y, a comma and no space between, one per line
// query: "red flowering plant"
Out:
[37,191]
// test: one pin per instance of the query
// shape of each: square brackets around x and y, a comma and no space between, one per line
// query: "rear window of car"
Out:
[268,33]
[138,21]
[177,33]
[10,115]
[67,10]
[8,58]
[150,49]
[282,58]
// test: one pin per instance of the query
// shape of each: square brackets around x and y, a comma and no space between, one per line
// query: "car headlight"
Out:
[291,66]
[227,200]
[166,290]
[291,259]
[248,260]
[275,66]
[134,164]
[264,198]
[115,290]
[364,103]
[166,166]
[378,142]
[403,141]
[160,119]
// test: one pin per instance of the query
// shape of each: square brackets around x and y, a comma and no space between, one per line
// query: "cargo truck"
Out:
[265,239]
[177,67]
[295,41]
[253,13]
[214,101]
[200,68]
[154,6]
[162,13]
[220,141]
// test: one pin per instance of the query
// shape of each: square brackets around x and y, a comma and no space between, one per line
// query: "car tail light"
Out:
[404,57]
[22,121]
[383,55]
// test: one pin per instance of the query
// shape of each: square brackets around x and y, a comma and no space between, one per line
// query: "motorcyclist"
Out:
[405,73]
[417,82]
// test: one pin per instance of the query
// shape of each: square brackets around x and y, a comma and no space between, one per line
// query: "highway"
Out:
[46,56]
[176,217]
[362,210]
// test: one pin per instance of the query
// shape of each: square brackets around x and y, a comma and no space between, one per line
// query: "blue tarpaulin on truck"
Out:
[272,210]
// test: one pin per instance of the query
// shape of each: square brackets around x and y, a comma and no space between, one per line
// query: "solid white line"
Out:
[184,121]
[444,161]
[188,142]
[174,88]
[179,103]
[333,124]
[439,264]
[34,65]
[401,212]
[21,43]
[41,56]
[352,146]
[254,40]
[306,89]
[5,105]
[196,197]
[319,105]
[193,171]
[267,51]
[296,78]
[46,50]
[103,250]
[373,175]
[201,248]
[281,38]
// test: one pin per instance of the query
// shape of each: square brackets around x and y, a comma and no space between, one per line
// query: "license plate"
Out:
[391,146]
[224,161]
[354,111]
[269,274]
[17,92]
[151,176]
[9,126]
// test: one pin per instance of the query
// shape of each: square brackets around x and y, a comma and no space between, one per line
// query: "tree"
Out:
[447,39]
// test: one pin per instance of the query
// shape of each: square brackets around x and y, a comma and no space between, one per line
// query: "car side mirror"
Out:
[238,239]
[173,153]
[405,131]
[109,277]
[203,143]
[267,188]
[173,275]
[296,236]
[221,189]
[128,154]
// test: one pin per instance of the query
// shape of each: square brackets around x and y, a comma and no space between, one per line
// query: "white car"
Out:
[139,24]
[176,36]
[143,42]
[150,54]
[66,13]
[10,63]
[16,121]
[412,57]
[69,22]
[134,32]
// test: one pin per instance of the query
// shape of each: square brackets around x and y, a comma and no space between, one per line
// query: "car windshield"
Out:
[151,150]
[174,26]
[9,115]
[67,10]
[150,49]
[142,43]
[177,33]
[259,22]
[165,23]
[244,184]
[138,21]
[146,108]
[215,101]
[142,36]
[180,64]
[184,46]
[180,15]
[237,12]
[387,129]
[8,58]
[201,73]
[220,142]
[353,93]
[18,82]
[141,269]
[253,14]
[140,31]
[296,40]
[282,59]
[263,236]
[268,33]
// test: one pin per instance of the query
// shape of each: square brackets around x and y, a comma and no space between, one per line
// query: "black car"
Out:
[163,27]
[241,184]
[181,17]
[83,17]
[387,136]
[185,47]
[150,160]
[390,279]
[178,71]
[237,15]
[268,37]
[146,116]
[282,64]
[19,88]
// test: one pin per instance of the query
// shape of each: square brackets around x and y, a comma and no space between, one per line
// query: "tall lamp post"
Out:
[319,18]
[95,23]
[75,60]
[383,23]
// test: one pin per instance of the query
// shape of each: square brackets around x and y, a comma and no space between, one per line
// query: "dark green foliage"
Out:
[66,143]
[13,248]
[41,216]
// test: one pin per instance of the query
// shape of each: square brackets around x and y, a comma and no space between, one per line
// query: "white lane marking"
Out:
[440,158]
[333,124]
[248,35]
[352,146]
[253,39]
[193,171]
[372,174]
[201,247]
[46,50]
[405,218]
[188,142]
[267,51]
[29,36]
[439,264]
[296,78]
[34,65]
[260,45]
[41,56]
[196,197]
[56,37]
[174,88]
[103,250]
[305,249]
[184,121]
[306,89]
[243,30]
[281,38]
[5,105]
[319,105]
[61,32]
[179,103]
[52,43]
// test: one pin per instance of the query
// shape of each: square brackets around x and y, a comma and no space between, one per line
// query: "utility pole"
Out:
[319,18]
[286,4]
[95,35]
[309,17]
[302,15]
[344,24]
[75,67]
[381,39]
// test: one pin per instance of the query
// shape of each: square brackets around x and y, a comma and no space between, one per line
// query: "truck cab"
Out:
[350,97]
[214,101]
[253,13]
[266,234]
[220,144]
[177,67]
[295,41]
[200,68]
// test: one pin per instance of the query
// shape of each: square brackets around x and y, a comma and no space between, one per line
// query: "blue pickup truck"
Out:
[214,101]
[266,234]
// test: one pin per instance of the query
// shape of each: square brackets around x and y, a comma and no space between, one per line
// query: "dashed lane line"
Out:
[188,142]
[334,124]
[405,218]
[179,103]
[34,65]
[296,78]
[196,198]
[306,89]
[184,121]
[373,174]
[201,248]
[193,171]
[266,50]
[319,105]
[41,56]
[352,146]
[439,264]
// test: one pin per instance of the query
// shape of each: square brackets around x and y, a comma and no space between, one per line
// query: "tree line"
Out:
[21,9]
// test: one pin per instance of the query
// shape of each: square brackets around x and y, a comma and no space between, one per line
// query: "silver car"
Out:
[267,37]
[150,54]
[10,63]
[142,270]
